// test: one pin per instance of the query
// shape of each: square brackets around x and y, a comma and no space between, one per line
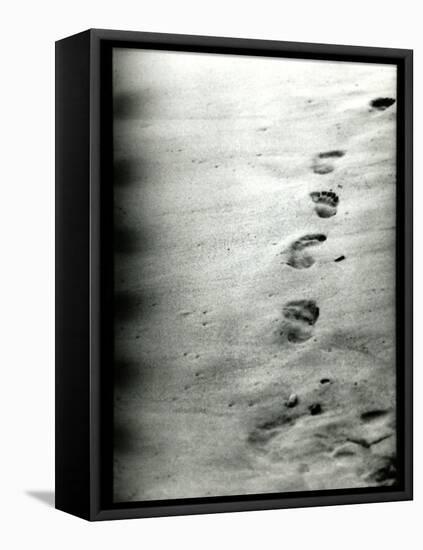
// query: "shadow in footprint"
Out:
[298,255]
[335,154]
[370,416]
[384,472]
[299,318]
[382,103]
[326,203]
[323,163]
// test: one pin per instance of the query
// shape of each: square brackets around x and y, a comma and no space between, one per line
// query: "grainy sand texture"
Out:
[254,204]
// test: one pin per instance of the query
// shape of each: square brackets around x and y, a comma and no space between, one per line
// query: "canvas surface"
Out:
[254,208]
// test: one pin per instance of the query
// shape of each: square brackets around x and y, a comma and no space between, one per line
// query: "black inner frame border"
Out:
[107,268]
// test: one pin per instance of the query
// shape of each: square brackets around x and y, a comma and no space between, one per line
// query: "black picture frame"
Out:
[84,306]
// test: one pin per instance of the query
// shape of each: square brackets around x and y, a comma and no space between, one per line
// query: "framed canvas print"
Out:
[234,274]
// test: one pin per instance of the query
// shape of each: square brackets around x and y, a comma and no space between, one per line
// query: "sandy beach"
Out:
[254,275]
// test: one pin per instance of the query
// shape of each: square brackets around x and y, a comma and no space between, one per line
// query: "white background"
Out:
[29,29]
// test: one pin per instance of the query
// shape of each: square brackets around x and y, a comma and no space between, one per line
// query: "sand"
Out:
[254,276]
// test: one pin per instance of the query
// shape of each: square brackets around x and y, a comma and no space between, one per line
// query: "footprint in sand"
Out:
[266,430]
[324,163]
[299,318]
[382,103]
[326,203]
[298,252]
